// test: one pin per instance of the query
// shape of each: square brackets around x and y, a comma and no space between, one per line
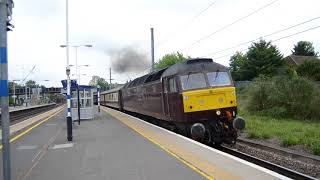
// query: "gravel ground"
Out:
[311,169]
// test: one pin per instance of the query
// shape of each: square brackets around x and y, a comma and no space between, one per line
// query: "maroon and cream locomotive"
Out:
[195,98]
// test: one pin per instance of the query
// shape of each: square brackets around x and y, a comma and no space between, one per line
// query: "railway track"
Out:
[274,167]
[20,115]
[282,151]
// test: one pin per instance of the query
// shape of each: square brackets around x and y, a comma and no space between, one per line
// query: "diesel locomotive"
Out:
[195,98]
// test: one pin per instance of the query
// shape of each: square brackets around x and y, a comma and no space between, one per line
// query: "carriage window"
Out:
[172,85]
[193,81]
[219,79]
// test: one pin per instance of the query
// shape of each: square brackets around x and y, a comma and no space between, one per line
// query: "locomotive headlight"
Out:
[185,97]
[218,113]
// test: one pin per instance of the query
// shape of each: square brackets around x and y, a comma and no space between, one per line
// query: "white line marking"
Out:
[51,124]
[26,147]
[216,151]
[60,146]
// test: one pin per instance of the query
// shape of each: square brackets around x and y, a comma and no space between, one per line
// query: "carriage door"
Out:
[165,97]
[172,98]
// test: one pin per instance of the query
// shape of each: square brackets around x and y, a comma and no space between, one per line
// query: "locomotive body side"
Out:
[144,96]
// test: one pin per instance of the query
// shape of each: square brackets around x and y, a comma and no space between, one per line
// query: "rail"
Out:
[274,167]
[22,114]
[284,152]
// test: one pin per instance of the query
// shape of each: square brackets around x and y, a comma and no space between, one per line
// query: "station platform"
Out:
[117,146]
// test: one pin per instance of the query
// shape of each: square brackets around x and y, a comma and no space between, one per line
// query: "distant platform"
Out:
[20,108]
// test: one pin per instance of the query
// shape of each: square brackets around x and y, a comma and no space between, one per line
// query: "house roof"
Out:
[297,60]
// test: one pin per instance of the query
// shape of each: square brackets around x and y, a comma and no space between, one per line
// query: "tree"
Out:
[304,48]
[17,86]
[170,59]
[262,59]
[310,69]
[236,66]
[31,84]
[96,80]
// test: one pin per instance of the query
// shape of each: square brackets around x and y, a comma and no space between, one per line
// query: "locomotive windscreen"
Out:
[219,79]
[193,81]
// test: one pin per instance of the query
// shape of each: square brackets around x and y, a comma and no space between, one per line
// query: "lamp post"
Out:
[78,99]
[79,74]
[78,80]
[5,17]
[26,94]
[98,97]
[69,118]
[80,71]
[76,54]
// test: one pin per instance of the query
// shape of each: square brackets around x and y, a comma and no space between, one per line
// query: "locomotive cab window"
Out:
[193,81]
[219,79]
[172,85]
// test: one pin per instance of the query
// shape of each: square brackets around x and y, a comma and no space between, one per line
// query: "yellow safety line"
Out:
[34,126]
[207,176]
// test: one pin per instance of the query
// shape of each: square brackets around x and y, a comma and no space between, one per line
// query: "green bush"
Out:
[11,101]
[316,149]
[290,140]
[282,96]
[310,69]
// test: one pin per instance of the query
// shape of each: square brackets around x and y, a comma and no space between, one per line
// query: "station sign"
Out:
[74,84]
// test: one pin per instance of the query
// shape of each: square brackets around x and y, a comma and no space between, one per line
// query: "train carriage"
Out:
[112,98]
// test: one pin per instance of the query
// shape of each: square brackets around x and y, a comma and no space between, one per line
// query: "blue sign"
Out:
[73,84]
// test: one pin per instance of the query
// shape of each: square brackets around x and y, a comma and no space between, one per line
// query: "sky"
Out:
[118,29]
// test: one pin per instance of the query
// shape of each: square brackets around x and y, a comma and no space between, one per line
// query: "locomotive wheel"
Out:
[217,144]
[207,137]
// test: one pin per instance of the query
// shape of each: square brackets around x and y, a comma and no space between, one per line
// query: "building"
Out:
[295,61]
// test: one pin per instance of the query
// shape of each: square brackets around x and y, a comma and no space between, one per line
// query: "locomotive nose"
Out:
[239,123]
[197,131]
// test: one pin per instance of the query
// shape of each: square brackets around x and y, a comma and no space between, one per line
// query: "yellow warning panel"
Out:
[209,99]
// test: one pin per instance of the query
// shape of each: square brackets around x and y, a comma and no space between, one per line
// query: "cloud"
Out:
[39,9]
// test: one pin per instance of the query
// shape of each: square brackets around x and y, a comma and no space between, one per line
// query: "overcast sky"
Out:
[114,26]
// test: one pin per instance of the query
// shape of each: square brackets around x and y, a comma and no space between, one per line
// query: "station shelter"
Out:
[86,102]
[82,97]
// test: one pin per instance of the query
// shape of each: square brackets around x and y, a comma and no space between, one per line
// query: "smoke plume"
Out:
[128,60]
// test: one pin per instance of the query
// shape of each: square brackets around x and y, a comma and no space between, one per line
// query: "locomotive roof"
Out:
[191,65]
[194,65]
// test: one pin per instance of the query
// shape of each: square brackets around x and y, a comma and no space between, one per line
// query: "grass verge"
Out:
[289,131]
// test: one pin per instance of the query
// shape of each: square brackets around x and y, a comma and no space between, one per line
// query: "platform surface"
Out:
[103,148]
